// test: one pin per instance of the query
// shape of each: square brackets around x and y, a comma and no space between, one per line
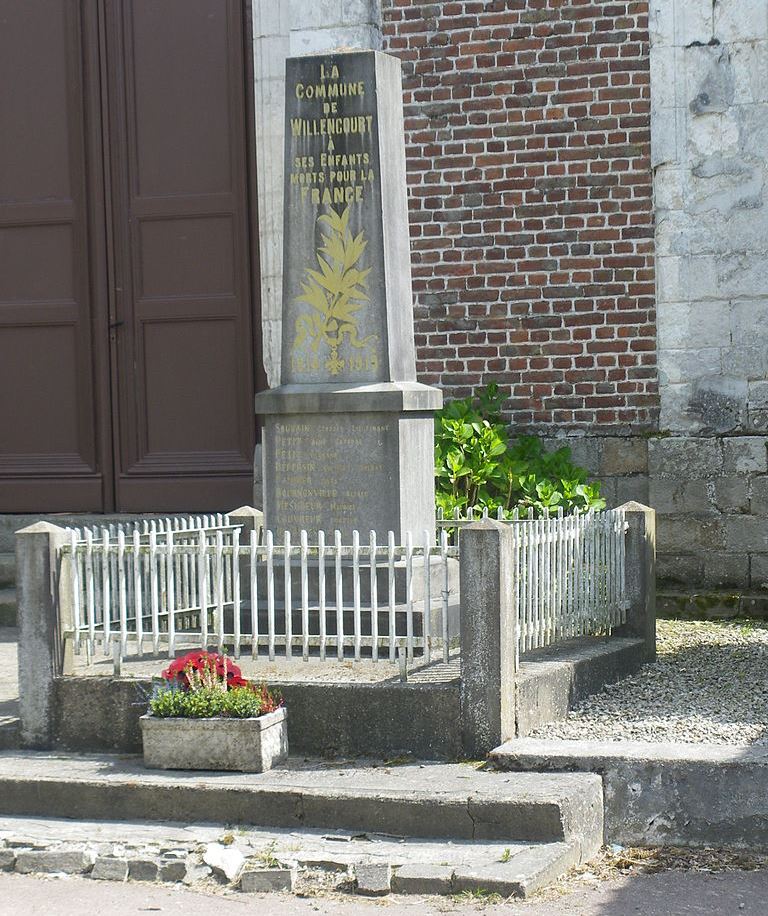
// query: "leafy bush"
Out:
[477,466]
[206,703]
[204,685]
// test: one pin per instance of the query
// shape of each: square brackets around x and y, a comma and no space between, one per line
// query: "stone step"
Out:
[7,569]
[662,794]
[315,857]
[7,607]
[434,800]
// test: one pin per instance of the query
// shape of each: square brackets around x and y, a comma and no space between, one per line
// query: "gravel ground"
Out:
[709,685]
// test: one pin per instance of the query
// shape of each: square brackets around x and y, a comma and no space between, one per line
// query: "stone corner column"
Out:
[640,576]
[43,619]
[488,632]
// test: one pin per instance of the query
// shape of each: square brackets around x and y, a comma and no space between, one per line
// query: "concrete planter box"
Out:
[244,745]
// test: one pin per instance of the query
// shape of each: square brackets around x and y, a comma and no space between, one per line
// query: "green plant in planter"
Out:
[477,466]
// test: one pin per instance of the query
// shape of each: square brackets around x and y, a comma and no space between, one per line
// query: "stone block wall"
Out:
[707,470]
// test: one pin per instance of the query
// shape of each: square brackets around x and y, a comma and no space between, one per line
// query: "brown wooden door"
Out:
[127,318]
[182,337]
[52,291]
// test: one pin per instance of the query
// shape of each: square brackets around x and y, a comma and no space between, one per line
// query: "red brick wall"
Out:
[528,132]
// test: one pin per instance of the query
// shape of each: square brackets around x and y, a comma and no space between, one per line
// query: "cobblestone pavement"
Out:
[664,894]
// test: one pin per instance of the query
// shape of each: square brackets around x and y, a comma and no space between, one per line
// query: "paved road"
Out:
[663,894]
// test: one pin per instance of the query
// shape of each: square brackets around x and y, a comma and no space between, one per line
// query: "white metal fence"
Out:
[173,584]
[570,573]
[160,587]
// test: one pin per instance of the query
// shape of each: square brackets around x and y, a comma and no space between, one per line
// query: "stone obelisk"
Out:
[348,436]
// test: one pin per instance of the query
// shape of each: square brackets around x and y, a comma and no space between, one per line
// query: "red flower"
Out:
[176,672]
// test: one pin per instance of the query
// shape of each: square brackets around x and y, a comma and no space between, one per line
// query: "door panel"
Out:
[183,359]
[50,452]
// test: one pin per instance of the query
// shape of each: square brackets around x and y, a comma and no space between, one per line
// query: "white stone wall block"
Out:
[712,134]
[693,325]
[317,41]
[749,61]
[675,415]
[661,22]
[702,278]
[663,76]
[669,188]
[672,279]
[740,20]
[317,14]
[693,21]
[673,233]
[270,17]
[269,53]
[361,11]
[665,135]
[710,79]
[748,362]
[689,365]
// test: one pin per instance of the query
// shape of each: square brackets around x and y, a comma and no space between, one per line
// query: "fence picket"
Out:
[321,592]
[287,598]
[304,597]
[339,598]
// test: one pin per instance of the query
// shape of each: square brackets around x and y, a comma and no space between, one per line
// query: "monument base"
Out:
[345,458]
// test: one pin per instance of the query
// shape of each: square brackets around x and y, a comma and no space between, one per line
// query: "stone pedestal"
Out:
[348,437]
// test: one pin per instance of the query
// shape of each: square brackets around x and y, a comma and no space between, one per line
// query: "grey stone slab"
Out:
[682,458]
[418,800]
[143,870]
[423,879]
[745,455]
[68,862]
[345,472]
[109,868]
[346,198]
[173,871]
[7,859]
[664,794]
[624,456]
[266,880]
[496,878]
[373,880]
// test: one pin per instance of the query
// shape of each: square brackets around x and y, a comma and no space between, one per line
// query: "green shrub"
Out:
[477,466]
[206,703]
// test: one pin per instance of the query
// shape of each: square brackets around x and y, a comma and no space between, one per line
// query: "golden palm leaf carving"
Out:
[336,292]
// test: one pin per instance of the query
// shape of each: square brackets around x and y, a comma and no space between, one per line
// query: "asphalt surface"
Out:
[671,893]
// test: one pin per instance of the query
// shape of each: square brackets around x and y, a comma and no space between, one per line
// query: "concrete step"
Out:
[414,800]
[7,607]
[320,859]
[661,794]
[7,569]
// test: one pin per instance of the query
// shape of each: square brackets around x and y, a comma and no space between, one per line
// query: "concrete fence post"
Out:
[251,519]
[640,576]
[488,630]
[43,619]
